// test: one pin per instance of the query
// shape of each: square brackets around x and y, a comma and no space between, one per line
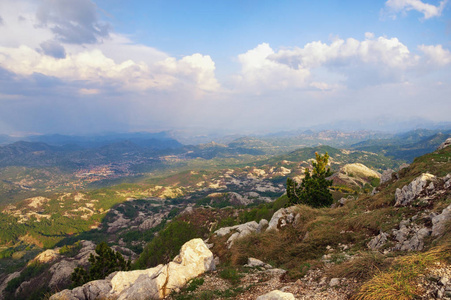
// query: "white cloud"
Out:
[435,55]
[428,10]
[53,50]
[340,63]
[260,72]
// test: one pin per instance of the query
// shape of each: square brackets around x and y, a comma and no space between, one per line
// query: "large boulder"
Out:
[194,259]
[92,290]
[154,283]
[413,190]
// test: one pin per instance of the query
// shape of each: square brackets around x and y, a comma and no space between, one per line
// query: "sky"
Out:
[87,66]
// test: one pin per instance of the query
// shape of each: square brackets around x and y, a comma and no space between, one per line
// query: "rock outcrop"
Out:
[445,144]
[386,175]
[154,283]
[241,230]
[413,190]
[410,237]
[282,217]
[439,221]
[378,241]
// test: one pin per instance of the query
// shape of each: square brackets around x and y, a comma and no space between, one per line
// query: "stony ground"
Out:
[257,281]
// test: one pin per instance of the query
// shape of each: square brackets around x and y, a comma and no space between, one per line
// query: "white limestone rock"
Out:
[439,221]
[47,256]
[410,192]
[276,295]
[378,241]
[154,283]
[282,217]
[445,144]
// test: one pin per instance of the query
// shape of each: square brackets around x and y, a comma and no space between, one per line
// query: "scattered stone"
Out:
[276,295]
[334,282]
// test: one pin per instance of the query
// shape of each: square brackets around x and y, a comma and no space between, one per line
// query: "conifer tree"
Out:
[314,188]
[104,263]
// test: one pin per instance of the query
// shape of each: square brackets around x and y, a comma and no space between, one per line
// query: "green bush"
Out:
[314,188]
[167,244]
[104,263]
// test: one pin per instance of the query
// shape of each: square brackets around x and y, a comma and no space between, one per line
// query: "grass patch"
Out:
[400,282]
[231,274]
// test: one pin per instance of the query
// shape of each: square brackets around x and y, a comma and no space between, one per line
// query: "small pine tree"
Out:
[314,188]
[104,263]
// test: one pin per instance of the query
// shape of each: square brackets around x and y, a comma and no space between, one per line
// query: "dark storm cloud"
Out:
[73,22]
[53,48]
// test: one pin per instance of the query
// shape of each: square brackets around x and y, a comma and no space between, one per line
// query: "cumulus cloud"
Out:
[73,22]
[195,71]
[340,63]
[428,10]
[260,72]
[435,55]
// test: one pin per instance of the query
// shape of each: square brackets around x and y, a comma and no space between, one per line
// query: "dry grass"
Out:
[364,266]
[400,282]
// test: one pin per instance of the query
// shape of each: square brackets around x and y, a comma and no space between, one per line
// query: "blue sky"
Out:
[231,66]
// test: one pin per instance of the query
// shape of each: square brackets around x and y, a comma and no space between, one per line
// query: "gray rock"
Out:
[61,272]
[334,282]
[411,191]
[240,231]
[445,144]
[5,282]
[276,295]
[386,175]
[90,291]
[262,224]
[378,241]
[142,289]
[153,221]
[439,221]
[154,283]
[282,217]
[410,237]
[253,262]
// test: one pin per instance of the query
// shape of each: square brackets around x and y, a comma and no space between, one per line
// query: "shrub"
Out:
[167,244]
[104,263]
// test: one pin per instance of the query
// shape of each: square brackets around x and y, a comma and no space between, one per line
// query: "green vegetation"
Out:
[104,263]
[167,244]
[314,188]
[32,270]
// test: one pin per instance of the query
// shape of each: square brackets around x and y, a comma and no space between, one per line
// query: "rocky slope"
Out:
[327,253]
